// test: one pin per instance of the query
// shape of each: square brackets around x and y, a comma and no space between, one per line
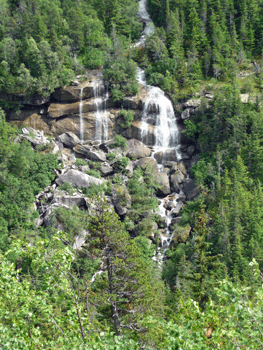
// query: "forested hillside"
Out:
[112,293]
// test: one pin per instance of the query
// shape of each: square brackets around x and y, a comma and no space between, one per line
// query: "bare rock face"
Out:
[136,149]
[162,180]
[90,152]
[72,124]
[145,163]
[68,139]
[78,179]
[58,110]
[72,93]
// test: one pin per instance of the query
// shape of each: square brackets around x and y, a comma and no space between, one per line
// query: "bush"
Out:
[80,162]
[128,116]
[68,188]
[120,141]
[121,164]
[94,173]
[95,190]
[111,156]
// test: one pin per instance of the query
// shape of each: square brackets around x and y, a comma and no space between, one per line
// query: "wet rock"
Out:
[170,155]
[69,139]
[78,179]
[159,157]
[176,210]
[136,149]
[90,153]
[134,132]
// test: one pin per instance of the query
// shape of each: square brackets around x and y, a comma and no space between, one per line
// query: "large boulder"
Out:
[136,149]
[176,179]
[162,180]
[121,199]
[78,179]
[146,163]
[90,153]
[69,139]
[106,169]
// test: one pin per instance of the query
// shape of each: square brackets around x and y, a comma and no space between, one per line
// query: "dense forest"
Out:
[208,293]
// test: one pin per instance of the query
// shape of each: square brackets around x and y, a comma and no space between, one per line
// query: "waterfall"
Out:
[158,110]
[146,19]
[159,129]
[81,126]
[101,96]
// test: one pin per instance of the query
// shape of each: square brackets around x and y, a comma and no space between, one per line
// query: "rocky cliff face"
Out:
[71,119]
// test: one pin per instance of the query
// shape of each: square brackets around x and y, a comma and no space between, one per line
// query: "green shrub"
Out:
[80,162]
[94,173]
[119,141]
[117,179]
[128,116]
[94,165]
[68,188]
[94,190]
[121,164]
[111,156]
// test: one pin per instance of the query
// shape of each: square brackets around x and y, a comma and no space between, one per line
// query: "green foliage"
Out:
[111,156]
[68,188]
[24,173]
[94,173]
[121,164]
[119,141]
[95,190]
[128,117]
[80,162]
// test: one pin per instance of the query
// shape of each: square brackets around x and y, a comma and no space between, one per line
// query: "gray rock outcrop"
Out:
[78,179]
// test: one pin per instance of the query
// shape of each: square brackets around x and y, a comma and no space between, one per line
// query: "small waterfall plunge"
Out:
[158,112]
[81,126]
[101,96]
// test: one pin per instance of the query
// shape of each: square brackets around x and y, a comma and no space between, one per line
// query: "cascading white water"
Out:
[100,100]
[146,19]
[158,128]
[166,134]
[81,126]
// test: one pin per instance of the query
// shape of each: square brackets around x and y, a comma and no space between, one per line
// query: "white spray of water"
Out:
[81,126]
[100,100]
